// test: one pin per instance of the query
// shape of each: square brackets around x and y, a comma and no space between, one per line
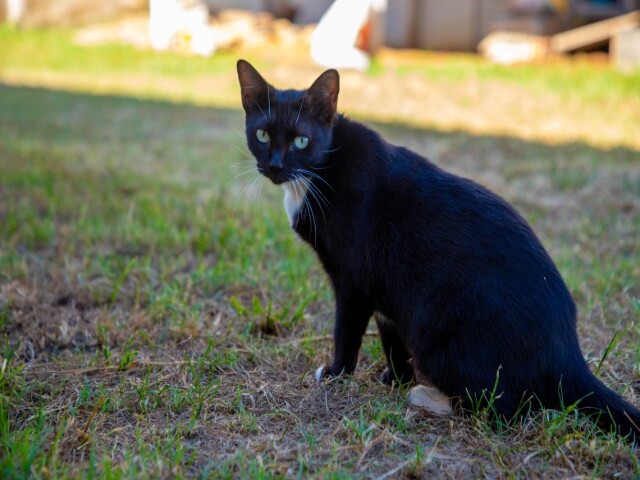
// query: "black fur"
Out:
[457,278]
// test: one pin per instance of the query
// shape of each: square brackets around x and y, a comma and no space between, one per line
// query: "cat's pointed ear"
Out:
[324,95]
[254,89]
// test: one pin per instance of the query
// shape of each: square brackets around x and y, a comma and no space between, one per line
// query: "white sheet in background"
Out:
[333,43]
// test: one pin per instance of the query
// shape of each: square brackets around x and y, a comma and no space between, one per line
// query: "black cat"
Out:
[462,288]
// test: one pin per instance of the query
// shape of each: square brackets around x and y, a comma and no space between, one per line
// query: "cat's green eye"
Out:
[301,142]
[262,135]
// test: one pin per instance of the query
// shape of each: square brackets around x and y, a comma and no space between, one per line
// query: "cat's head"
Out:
[289,132]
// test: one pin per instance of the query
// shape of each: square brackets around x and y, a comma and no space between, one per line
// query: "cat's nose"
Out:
[276,167]
[275,162]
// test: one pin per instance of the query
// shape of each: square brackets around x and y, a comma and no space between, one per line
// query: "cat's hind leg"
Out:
[426,395]
[430,398]
[399,369]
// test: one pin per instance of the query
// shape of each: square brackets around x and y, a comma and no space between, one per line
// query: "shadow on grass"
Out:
[132,132]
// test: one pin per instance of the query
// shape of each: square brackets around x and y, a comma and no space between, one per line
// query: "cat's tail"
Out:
[608,409]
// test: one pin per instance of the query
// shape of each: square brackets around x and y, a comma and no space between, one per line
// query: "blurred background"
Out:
[540,27]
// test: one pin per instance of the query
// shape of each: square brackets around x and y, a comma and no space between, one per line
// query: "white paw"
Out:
[430,398]
[320,373]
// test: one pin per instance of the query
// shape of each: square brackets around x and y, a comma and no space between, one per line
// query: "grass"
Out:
[157,322]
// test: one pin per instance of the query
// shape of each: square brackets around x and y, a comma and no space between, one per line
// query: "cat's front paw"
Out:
[326,372]
[322,373]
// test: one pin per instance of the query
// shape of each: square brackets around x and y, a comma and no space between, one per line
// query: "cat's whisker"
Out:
[260,185]
[243,152]
[242,175]
[313,219]
[318,192]
[330,151]
[262,111]
[269,101]
[303,196]
[251,190]
[242,193]
[316,195]
[315,175]
[236,166]
[238,187]
[294,185]
[247,186]
[315,192]
[304,95]
[319,202]
[298,182]
[246,176]
[321,168]
[247,171]
[251,194]
[243,178]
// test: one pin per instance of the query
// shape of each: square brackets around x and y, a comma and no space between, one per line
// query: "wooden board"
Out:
[594,33]
[625,50]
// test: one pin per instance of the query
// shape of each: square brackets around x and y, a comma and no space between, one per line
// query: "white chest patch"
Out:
[293,198]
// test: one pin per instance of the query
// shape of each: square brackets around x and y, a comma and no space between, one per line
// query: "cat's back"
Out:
[409,199]
[435,214]
[414,185]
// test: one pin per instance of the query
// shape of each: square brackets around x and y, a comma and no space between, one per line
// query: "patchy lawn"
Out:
[159,319]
